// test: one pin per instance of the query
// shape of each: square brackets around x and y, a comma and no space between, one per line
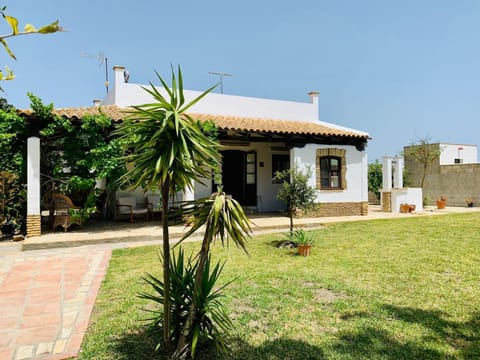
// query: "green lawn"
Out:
[385,289]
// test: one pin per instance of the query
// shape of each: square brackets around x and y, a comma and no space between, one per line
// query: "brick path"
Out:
[46,298]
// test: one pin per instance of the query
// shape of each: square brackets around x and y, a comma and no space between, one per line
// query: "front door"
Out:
[239,176]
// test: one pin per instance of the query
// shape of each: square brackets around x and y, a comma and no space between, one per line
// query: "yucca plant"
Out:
[223,219]
[211,322]
[165,144]
[300,237]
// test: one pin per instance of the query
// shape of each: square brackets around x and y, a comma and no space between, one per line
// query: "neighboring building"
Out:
[454,174]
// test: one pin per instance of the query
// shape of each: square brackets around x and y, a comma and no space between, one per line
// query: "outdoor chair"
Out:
[128,206]
[63,212]
[153,205]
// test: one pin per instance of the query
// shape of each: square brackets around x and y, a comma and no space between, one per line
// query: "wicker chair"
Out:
[62,209]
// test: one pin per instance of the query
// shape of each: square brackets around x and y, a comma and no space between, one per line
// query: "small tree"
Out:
[295,191]
[375,177]
[423,151]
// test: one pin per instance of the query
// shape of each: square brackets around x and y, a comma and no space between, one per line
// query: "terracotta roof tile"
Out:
[275,126]
[226,122]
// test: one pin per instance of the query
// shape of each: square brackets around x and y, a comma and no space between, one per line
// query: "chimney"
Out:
[96,102]
[314,100]
[118,75]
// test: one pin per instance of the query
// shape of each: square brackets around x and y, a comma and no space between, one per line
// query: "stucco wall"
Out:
[132,94]
[356,173]
[450,152]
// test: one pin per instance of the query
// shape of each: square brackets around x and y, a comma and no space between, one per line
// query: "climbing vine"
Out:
[75,156]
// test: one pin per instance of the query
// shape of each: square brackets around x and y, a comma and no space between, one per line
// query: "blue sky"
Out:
[396,69]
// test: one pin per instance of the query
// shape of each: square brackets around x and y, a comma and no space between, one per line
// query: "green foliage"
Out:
[300,237]
[423,151]
[295,191]
[222,218]
[426,201]
[166,144]
[211,322]
[13,166]
[28,29]
[375,177]
[73,155]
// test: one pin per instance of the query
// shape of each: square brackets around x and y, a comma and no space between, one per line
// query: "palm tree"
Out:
[165,146]
[223,219]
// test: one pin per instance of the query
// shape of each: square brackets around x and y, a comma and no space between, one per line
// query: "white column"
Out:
[398,173]
[189,194]
[386,173]
[365,176]
[33,187]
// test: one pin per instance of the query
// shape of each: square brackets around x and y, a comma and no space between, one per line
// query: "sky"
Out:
[399,70]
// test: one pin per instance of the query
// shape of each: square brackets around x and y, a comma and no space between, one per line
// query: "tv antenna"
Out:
[221,78]
[101,58]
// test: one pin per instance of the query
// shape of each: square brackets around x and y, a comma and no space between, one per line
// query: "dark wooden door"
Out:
[239,176]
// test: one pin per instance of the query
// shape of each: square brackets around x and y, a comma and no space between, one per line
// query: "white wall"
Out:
[126,94]
[411,196]
[450,152]
[356,173]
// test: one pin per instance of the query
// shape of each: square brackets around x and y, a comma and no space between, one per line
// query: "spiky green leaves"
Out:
[211,321]
[167,145]
[223,218]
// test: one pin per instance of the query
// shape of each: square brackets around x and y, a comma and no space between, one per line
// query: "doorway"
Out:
[239,176]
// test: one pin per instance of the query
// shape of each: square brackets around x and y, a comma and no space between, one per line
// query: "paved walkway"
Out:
[46,301]
[47,295]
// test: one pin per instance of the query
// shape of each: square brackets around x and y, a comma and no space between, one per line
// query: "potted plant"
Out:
[404,208]
[469,201]
[442,202]
[303,240]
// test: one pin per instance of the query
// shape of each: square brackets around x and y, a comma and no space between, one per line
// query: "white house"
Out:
[258,138]
[262,136]
[458,154]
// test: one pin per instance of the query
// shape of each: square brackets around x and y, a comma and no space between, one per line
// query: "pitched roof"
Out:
[228,122]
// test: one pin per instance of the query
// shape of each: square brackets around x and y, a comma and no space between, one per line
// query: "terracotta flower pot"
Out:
[404,208]
[441,204]
[304,250]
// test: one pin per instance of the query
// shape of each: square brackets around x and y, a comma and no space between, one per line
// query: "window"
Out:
[280,162]
[331,169]
[330,172]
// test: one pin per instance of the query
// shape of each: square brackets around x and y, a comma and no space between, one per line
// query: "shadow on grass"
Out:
[367,342]
[141,345]
[278,349]
[374,342]
[462,336]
